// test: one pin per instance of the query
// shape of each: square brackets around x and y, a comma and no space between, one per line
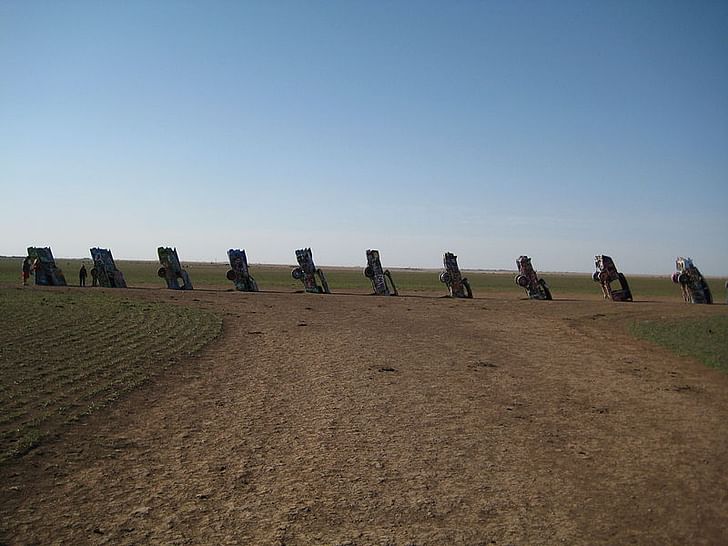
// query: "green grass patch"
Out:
[65,355]
[703,338]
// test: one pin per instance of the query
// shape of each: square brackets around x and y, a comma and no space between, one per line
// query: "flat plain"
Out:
[354,419]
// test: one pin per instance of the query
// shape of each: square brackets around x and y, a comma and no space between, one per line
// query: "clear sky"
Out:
[557,129]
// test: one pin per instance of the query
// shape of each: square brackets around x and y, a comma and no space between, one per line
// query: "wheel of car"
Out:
[161,272]
[297,273]
[368,272]
[682,278]
[522,281]
[595,276]
[676,277]
[445,277]
[230,275]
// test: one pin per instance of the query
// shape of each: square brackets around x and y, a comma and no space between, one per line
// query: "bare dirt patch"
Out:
[362,420]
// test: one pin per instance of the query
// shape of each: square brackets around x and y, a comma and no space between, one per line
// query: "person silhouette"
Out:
[27,266]
[82,275]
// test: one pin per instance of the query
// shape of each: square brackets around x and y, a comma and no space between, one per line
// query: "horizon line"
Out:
[400,268]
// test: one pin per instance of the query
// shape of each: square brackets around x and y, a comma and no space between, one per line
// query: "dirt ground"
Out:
[357,420]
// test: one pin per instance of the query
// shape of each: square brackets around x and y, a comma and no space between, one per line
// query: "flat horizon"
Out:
[397,268]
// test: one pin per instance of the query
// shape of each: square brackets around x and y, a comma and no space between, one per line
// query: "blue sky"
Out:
[557,129]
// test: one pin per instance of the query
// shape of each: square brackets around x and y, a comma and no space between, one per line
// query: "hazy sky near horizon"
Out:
[558,129]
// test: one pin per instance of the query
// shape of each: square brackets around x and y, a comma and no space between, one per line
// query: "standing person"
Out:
[94,276]
[82,275]
[27,264]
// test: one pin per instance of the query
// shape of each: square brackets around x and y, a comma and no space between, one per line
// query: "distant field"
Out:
[278,277]
[63,355]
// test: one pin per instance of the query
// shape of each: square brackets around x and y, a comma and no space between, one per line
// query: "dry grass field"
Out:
[354,420]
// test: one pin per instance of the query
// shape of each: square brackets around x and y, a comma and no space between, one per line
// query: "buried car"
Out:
[171,270]
[457,285]
[46,272]
[239,273]
[106,272]
[381,279]
[607,275]
[307,273]
[528,279]
[694,287]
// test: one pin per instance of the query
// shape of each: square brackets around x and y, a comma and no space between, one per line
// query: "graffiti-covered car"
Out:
[106,271]
[694,287]
[457,285]
[46,272]
[313,278]
[614,284]
[381,279]
[171,271]
[528,279]
[239,272]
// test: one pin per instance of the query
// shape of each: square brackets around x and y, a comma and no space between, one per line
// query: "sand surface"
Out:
[357,420]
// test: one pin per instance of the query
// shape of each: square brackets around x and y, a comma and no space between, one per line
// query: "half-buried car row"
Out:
[614,285]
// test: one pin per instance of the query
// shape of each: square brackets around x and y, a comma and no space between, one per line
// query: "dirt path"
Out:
[361,420]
